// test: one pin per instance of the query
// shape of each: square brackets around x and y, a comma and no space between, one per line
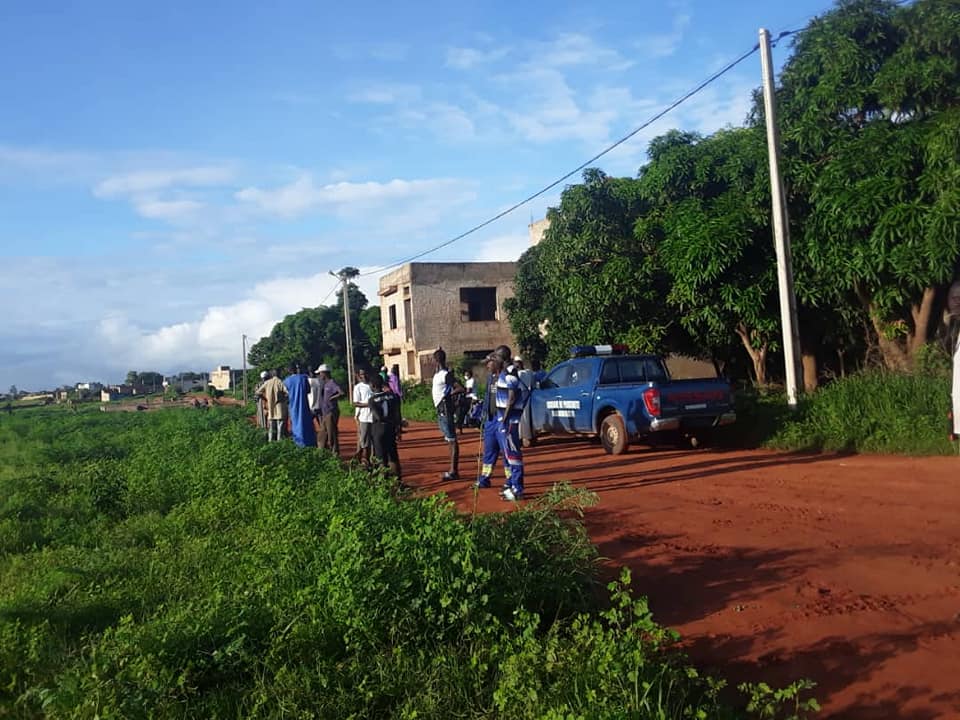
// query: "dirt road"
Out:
[773,566]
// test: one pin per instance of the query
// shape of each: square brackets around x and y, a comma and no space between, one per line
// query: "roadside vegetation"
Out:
[874,411]
[678,258]
[172,564]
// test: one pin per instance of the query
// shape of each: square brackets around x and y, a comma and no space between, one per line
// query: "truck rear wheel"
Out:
[613,435]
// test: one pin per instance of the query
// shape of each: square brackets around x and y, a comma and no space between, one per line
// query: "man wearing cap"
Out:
[495,362]
[259,400]
[509,401]
[329,409]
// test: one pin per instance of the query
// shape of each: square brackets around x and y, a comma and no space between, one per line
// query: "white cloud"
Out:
[569,49]
[502,248]
[386,94]
[383,51]
[549,109]
[463,58]
[172,211]
[303,195]
[215,337]
[144,181]
[660,45]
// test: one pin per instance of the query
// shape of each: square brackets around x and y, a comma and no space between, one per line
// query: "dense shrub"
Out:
[875,411]
[172,564]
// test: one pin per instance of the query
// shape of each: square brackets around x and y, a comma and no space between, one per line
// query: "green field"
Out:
[172,564]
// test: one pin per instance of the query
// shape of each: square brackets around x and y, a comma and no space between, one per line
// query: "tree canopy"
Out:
[316,335]
[680,258]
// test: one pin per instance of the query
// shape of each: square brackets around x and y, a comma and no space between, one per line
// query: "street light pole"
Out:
[347,330]
[244,370]
[781,227]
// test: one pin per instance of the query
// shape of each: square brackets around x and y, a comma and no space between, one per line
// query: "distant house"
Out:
[221,377]
[458,306]
[115,392]
[183,385]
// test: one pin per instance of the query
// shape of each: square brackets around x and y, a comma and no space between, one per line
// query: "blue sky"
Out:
[175,175]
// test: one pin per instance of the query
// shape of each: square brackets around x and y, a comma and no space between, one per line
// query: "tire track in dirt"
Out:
[772,565]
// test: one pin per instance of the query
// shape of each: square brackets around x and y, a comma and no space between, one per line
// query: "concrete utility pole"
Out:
[346,324]
[781,227]
[244,369]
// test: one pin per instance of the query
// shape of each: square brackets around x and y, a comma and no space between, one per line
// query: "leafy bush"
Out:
[172,564]
[418,403]
[872,411]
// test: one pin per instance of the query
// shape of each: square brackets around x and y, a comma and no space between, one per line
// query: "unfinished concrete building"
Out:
[456,306]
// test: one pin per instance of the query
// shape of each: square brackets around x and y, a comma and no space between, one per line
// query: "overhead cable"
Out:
[725,69]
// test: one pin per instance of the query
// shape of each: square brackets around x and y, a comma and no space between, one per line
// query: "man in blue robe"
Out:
[301,418]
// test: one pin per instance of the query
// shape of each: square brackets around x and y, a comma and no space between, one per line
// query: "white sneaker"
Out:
[510,495]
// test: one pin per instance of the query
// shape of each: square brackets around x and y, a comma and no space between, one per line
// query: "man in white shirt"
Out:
[361,399]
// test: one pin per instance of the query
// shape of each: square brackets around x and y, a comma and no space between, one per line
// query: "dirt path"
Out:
[773,566]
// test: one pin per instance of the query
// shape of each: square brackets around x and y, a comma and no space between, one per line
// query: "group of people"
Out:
[309,404]
[503,407]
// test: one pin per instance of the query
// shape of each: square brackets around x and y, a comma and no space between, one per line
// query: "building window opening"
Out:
[392,312]
[478,304]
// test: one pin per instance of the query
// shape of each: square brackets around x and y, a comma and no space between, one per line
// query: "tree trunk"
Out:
[810,374]
[894,355]
[922,314]
[757,355]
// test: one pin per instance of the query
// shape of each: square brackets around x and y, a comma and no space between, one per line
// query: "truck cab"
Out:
[620,397]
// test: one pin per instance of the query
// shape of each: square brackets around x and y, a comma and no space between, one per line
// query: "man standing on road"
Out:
[510,404]
[316,389]
[275,395]
[951,332]
[446,391]
[495,362]
[488,430]
[361,399]
[526,384]
[329,408]
[385,411]
[301,419]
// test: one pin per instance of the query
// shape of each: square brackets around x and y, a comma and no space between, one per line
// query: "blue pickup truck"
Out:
[624,397]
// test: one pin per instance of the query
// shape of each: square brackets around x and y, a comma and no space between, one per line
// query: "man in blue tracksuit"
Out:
[501,429]
[491,446]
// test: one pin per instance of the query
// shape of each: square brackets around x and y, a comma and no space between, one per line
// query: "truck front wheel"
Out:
[613,435]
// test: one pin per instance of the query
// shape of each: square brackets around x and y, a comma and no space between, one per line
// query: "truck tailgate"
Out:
[695,398]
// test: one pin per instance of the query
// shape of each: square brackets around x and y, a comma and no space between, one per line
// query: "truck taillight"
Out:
[651,399]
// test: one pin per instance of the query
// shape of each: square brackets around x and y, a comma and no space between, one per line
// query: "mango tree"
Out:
[872,134]
[709,221]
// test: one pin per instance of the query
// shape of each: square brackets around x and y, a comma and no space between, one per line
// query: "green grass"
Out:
[418,403]
[874,411]
[172,564]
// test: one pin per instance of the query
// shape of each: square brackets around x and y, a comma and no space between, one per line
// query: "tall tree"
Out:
[869,114]
[598,283]
[526,308]
[709,223]
[316,335]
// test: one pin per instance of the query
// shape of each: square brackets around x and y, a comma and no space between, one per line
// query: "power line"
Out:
[727,68]
[327,296]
